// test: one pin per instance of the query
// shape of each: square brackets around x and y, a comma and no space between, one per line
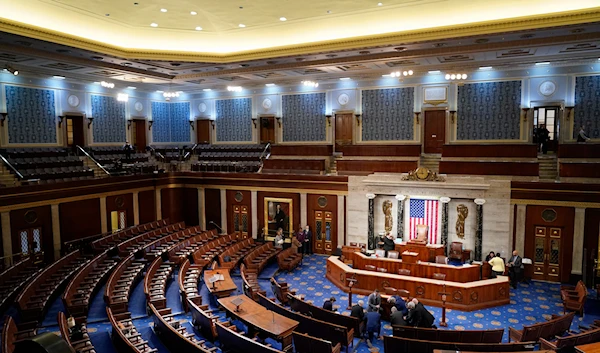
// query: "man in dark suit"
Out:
[396,317]
[418,316]
[398,303]
[307,240]
[328,305]
[358,312]
[127,148]
[373,325]
[388,243]
[280,217]
[515,268]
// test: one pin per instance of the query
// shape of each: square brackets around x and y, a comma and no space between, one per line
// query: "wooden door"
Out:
[267,129]
[203,131]
[240,221]
[75,131]
[435,131]
[547,253]
[139,134]
[325,235]
[343,131]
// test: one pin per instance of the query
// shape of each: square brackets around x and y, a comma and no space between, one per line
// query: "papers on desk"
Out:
[215,278]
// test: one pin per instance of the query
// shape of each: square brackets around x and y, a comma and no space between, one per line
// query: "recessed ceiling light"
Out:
[379,4]
[163,10]
[59,77]
[282,19]
[344,78]
[434,72]
[193,13]
[97,82]
[269,84]
[131,87]
[241,25]
[159,91]
[154,24]
[388,75]
[543,63]
[485,68]
[198,28]
[207,90]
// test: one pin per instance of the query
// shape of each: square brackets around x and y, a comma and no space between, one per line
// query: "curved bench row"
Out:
[113,239]
[11,334]
[232,256]
[14,278]
[138,242]
[260,257]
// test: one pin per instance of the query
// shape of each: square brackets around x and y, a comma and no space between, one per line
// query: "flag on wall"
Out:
[424,212]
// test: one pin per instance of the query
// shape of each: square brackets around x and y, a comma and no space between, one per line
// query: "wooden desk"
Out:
[588,348]
[426,253]
[258,318]
[463,296]
[462,274]
[221,288]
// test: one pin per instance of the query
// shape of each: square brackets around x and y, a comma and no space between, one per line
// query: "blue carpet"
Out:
[173,296]
[52,314]
[269,271]
[100,336]
[137,300]
[97,311]
[144,327]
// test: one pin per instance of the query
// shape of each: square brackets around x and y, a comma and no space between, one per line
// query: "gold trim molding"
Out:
[462,30]
[555,203]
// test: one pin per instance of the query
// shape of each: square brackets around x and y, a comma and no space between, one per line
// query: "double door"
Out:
[240,221]
[547,253]
[325,237]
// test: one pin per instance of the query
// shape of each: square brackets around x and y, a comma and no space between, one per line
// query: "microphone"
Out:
[216,225]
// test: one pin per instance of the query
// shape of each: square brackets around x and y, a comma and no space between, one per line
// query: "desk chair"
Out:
[393,254]
[441,259]
[456,251]
[403,271]
[440,276]
[380,253]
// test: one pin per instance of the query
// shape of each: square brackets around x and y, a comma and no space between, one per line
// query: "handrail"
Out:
[185,157]
[93,159]
[267,148]
[12,167]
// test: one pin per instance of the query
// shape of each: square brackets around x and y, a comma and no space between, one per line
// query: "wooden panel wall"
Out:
[490,168]
[246,201]
[579,150]
[383,150]
[332,206]
[212,203]
[590,240]
[43,219]
[302,150]
[371,166]
[565,219]
[180,204]
[261,207]
[491,150]
[79,219]
[303,166]
[147,206]
[579,170]
[122,202]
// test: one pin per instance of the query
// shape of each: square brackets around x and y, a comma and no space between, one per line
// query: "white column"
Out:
[578,241]
[201,208]
[224,210]
[103,221]
[303,210]
[520,238]
[56,231]
[341,220]
[254,213]
[6,236]
[157,201]
[136,208]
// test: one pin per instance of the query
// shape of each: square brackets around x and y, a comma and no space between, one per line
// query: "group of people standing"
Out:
[302,240]
[514,264]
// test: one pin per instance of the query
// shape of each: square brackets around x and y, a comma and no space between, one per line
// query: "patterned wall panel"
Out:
[489,111]
[109,119]
[303,117]
[179,121]
[587,106]
[31,115]
[387,114]
[234,119]
[160,125]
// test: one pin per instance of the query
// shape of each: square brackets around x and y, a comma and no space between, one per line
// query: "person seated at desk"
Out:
[398,303]
[374,301]
[497,265]
[490,256]
[359,313]
[328,305]
[397,318]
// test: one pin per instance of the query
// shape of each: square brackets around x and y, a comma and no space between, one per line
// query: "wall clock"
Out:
[73,100]
[138,106]
[202,107]
[343,99]
[267,104]
[547,88]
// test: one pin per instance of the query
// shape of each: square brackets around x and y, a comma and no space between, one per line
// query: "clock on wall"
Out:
[138,106]
[547,88]
[202,107]
[73,100]
[267,104]
[343,99]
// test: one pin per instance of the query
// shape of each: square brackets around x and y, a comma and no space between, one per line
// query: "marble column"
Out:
[371,239]
[6,237]
[444,232]
[136,208]
[578,235]
[55,231]
[303,209]
[341,220]
[223,224]
[103,217]
[520,236]
[254,212]
[201,208]
[400,217]
[479,231]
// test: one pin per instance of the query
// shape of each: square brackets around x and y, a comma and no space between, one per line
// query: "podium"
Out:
[410,257]
[426,253]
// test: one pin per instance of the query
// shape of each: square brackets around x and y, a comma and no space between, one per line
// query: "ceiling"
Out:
[564,39]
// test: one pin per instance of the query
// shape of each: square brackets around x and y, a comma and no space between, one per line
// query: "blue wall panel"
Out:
[31,115]
[109,120]
[234,119]
[303,117]
[587,106]
[388,114]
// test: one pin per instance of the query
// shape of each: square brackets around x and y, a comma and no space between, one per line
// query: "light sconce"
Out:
[234,88]
[90,121]
[170,94]
[60,121]
[212,123]
[403,73]
[254,120]
[417,117]
[525,110]
[278,118]
[192,124]
[3,117]
[11,70]
[568,111]
[150,122]
[452,115]
[357,119]
[129,121]
[107,84]
[310,84]
[456,77]
[328,116]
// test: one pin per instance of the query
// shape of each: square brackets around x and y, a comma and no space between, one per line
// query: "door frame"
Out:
[421,129]
[130,131]
[211,137]
[258,127]
[565,127]
[333,121]
[63,128]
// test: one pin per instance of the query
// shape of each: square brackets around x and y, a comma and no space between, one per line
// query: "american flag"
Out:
[424,212]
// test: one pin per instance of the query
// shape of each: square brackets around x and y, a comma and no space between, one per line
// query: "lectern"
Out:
[351,282]
[443,293]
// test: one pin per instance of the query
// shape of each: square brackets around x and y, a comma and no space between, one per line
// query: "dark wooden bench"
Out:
[233,341]
[236,252]
[573,298]
[84,345]
[308,344]
[558,325]
[288,259]
[281,290]
[11,334]
[122,281]
[14,278]
[567,343]
[411,345]
[124,335]
[467,336]
[250,285]
[260,257]
[113,239]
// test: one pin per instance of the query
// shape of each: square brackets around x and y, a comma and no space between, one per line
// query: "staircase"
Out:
[548,167]
[333,164]
[98,173]
[431,162]
[6,177]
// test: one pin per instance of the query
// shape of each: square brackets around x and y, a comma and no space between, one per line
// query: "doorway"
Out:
[138,134]
[118,220]
[30,241]
[267,129]
[203,132]
[547,116]
[547,253]
[75,131]
[325,232]
[435,131]
[343,131]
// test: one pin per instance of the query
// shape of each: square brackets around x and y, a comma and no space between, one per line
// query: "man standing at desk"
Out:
[515,268]
[388,243]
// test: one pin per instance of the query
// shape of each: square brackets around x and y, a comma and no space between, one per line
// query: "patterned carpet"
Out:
[529,304]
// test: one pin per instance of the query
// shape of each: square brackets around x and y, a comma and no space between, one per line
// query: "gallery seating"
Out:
[229,158]
[121,283]
[281,290]
[288,259]
[233,255]
[294,166]
[307,344]
[558,325]
[260,257]
[155,282]
[83,345]
[234,341]
[15,277]
[466,336]
[574,297]
[114,239]
[125,336]
[394,344]
[11,334]
[567,343]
